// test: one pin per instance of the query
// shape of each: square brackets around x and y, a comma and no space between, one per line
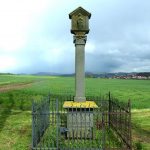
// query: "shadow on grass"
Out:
[5,113]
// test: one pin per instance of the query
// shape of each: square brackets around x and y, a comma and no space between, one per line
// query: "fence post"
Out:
[34,133]
[130,131]
[109,109]
[32,126]
[57,121]
[103,132]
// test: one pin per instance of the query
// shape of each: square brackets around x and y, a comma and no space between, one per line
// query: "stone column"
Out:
[79,68]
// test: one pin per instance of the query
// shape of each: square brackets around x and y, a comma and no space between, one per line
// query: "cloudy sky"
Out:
[35,36]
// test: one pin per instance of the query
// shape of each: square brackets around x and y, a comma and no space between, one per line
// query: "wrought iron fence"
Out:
[40,119]
[57,128]
[120,120]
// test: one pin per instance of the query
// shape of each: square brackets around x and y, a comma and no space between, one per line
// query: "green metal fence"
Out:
[56,128]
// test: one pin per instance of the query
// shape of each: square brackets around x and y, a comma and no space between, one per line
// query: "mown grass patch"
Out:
[141,128]
[16,132]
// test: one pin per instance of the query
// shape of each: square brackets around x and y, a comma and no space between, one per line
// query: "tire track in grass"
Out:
[6,88]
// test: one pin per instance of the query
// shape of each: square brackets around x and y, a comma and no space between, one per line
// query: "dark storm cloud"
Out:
[122,37]
[121,34]
[101,63]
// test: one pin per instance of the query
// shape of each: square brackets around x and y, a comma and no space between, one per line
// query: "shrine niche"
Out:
[79,21]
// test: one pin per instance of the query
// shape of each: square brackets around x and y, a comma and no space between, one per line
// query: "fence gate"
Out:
[56,128]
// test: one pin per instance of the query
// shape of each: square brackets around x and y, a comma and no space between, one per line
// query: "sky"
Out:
[35,36]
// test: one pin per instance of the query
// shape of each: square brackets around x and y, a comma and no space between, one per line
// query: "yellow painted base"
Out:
[86,104]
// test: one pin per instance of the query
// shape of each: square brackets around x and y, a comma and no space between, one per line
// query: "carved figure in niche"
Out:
[80,22]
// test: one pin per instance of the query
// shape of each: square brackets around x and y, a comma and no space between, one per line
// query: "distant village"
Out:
[132,77]
[119,75]
[138,76]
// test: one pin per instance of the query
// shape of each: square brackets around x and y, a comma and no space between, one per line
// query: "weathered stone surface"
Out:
[80,124]
[80,105]
[80,26]
[80,20]
[80,120]
[79,68]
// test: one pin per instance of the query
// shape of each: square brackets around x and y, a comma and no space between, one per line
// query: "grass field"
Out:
[17,91]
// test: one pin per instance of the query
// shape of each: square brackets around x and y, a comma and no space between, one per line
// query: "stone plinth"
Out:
[80,119]
[73,104]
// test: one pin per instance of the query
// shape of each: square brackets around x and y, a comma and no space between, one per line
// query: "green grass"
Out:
[141,127]
[136,90]
[15,105]
[12,79]
[16,132]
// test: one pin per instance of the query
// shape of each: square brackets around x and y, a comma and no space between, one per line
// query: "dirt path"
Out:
[6,88]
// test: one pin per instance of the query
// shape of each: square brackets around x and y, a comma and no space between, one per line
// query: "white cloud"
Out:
[90,47]
[16,17]
[7,62]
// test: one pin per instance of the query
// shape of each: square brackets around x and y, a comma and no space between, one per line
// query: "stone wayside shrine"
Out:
[80,111]
[65,122]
